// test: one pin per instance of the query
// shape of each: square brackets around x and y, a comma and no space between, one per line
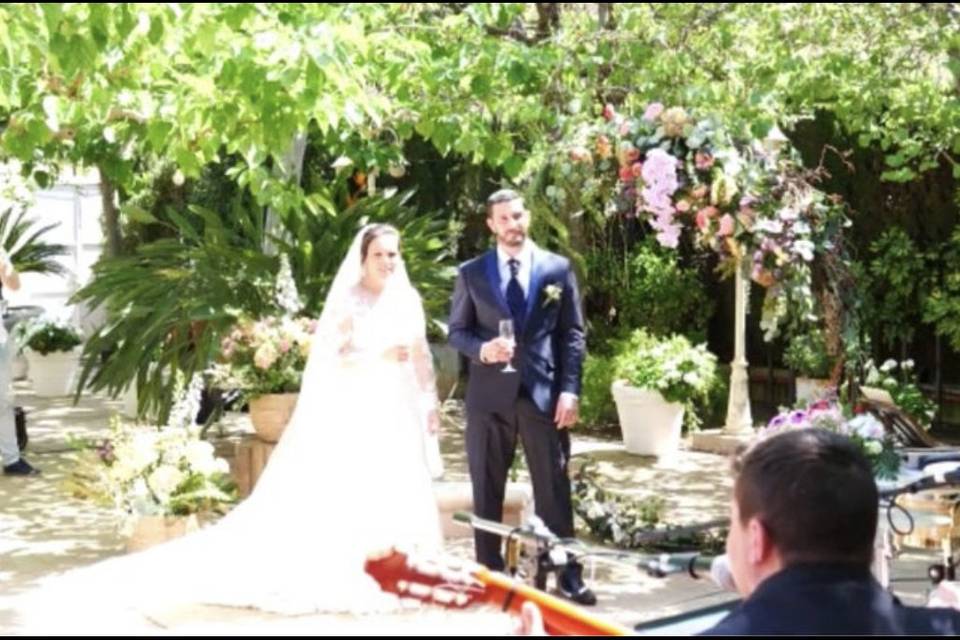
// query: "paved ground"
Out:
[44,531]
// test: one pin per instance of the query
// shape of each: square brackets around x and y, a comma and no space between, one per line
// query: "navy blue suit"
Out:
[831,599]
[502,406]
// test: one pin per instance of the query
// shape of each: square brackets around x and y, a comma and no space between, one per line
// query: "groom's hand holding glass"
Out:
[498,350]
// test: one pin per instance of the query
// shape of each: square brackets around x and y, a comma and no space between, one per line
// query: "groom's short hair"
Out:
[503,195]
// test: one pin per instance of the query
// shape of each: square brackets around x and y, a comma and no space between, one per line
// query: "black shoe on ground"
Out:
[572,587]
[20,468]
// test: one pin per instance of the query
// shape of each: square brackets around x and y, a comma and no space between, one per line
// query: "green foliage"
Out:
[48,336]
[942,306]
[24,243]
[806,354]
[170,302]
[597,408]
[898,282]
[662,296]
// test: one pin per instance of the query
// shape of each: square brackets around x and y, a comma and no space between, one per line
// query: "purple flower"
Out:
[778,421]
[798,417]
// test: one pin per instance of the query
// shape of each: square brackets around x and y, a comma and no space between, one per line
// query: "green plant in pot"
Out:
[657,382]
[806,355]
[22,239]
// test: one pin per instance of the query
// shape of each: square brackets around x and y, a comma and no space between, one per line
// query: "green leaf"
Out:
[138,214]
[513,165]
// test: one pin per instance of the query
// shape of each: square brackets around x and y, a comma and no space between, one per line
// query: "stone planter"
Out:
[651,426]
[811,389]
[270,414]
[153,530]
[54,374]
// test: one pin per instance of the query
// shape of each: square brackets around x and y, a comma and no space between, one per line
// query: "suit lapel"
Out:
[493,279]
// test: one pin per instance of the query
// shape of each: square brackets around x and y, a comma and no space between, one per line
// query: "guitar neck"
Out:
[560,618]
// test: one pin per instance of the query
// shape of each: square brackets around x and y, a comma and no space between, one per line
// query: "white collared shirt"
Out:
[525,258]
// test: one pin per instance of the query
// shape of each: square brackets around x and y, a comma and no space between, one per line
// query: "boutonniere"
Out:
[551,294]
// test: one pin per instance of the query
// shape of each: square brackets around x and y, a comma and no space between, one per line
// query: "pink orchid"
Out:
[726,225]
[653,111]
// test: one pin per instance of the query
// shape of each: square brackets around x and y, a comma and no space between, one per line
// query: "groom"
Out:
[537,290]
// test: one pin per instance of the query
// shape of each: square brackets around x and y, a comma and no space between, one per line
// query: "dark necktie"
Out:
[515,298]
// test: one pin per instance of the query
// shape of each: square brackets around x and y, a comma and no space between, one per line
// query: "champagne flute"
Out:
[506,332]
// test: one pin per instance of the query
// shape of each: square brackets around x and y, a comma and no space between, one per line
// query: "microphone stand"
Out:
[554,553]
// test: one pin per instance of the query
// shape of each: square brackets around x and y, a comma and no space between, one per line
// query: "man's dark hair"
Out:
[503,195]
[814,493]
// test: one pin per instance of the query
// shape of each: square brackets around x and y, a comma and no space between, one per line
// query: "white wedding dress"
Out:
[348,477]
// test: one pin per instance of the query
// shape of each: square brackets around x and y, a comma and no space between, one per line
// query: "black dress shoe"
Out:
[20,468]
[572,587]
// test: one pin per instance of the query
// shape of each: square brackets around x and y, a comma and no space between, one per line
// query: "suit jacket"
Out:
[831,599]
[550,348]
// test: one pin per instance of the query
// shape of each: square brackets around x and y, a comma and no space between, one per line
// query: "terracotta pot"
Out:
[154,530]
[270,414]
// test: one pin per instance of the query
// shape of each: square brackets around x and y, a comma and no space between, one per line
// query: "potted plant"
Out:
[53,356]
[160,480]
[806,355]
[23,241]
[265,359]
[657,380]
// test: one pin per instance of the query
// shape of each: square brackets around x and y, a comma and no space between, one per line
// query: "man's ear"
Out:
[760,545]
[490,225]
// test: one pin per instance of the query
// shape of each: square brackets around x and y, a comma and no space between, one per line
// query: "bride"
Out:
[351,474]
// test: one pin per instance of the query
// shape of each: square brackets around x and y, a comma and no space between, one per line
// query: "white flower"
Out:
[164,480]
[805,249]
[873,447]
[906,365]
[287,296]
[866,426]
[143,450]
[888,366]
[199,456]
[769,226]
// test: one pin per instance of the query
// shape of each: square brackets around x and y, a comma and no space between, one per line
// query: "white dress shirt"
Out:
[525,258]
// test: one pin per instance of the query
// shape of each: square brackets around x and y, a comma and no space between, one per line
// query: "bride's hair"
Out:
[373,232]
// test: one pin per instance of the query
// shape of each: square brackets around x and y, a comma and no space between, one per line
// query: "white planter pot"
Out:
[20,367]
[54,374]
[651,426]
[129,398]
[811,389]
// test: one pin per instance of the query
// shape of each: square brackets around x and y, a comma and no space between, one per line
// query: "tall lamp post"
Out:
[738,427]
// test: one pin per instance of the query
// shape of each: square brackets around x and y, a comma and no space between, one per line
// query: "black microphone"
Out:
[698,566]
[947,479]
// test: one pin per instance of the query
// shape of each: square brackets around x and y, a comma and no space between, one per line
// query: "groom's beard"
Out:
[512,239]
